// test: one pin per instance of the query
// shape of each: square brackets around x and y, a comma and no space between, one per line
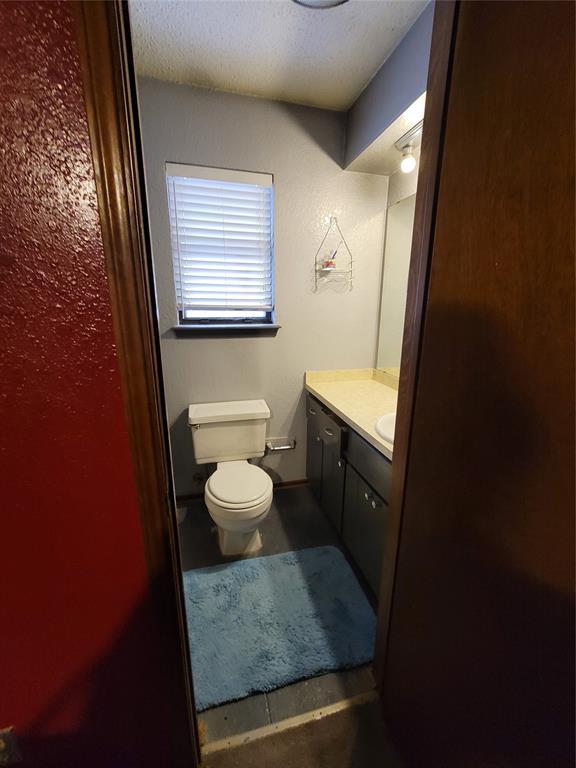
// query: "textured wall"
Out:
[78,672]
[302,147]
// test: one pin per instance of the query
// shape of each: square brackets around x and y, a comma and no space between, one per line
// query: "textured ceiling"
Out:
[274,49]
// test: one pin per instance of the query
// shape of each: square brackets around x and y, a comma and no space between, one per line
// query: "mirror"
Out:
[397,247]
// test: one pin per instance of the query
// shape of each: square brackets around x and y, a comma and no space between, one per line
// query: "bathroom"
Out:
[406,595]
[308,381]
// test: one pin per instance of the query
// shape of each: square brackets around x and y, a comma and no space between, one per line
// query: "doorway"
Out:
[297,492]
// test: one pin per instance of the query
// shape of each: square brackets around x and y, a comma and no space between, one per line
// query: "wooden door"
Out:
[479,659]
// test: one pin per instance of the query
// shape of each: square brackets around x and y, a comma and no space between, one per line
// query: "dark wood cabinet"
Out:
[364,526]
[351,479]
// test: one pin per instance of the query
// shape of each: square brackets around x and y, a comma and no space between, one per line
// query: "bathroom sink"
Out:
[385,426]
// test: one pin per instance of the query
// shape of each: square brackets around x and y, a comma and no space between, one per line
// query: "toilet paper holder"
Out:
[274,444]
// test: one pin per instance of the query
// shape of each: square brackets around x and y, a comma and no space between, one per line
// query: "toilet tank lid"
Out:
[236,410]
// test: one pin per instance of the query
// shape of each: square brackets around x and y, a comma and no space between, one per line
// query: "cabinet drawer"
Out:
[374,468]
[328,426]
[333,431]
[313,407]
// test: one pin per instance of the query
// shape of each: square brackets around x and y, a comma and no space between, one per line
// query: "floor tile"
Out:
[236,717]
[295,521]
[353,738]
[318,692]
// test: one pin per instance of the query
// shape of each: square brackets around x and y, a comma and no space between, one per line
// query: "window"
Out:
[221,225]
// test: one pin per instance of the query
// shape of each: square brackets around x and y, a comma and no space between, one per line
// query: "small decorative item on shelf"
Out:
[333,260]
[328,264]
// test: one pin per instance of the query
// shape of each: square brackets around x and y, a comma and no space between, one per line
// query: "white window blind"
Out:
[221,225]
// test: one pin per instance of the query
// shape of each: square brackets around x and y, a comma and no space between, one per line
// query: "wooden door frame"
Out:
[437,92]
[111,103]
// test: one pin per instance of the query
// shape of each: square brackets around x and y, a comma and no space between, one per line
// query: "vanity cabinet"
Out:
[351,480]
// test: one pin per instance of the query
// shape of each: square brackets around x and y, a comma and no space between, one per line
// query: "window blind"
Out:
[221,225]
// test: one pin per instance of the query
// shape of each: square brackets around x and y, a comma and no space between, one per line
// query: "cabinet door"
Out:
[314,447]
[364,526]
[333,470]
[333,474]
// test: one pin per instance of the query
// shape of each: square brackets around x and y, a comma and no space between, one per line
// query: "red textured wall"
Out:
[80,676]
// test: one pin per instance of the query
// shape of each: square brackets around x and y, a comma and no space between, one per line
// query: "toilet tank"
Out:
[228,431]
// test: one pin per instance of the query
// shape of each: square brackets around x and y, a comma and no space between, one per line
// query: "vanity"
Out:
[351,414]
[348,462]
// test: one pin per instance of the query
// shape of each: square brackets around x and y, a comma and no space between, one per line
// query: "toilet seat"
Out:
[239,490]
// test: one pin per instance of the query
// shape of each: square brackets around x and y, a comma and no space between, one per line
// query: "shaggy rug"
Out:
[261,623]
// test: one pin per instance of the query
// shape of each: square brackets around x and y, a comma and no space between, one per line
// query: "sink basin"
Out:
[385,426]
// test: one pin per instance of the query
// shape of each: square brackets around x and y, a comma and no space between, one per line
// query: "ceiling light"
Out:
[320,3]
[408,162]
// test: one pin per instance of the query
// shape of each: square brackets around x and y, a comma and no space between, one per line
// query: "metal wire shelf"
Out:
[333,259]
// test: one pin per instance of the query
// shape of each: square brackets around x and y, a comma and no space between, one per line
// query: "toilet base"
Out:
[239,543]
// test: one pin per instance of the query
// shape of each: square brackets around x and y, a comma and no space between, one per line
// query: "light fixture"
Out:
[320,3]
[406,145]
[408,162]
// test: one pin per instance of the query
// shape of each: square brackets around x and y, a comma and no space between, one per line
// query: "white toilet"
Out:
[238,494]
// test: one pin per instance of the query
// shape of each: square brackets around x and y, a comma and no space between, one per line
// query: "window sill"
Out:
[226,329]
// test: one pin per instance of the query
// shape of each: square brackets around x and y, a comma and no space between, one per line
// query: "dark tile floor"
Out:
[353,738]
[295,522]
[289,701]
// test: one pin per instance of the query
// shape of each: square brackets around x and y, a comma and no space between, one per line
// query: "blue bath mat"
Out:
[259,624]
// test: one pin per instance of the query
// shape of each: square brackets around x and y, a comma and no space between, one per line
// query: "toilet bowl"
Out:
[238,496]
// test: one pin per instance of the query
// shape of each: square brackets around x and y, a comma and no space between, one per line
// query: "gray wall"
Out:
[303,148]
[399,82]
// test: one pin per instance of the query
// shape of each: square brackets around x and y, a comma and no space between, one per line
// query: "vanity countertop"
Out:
[359,397]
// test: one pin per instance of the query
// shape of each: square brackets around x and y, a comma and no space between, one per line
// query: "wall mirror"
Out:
[397,247]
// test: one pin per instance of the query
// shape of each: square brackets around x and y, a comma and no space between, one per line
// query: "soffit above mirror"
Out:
[382,156]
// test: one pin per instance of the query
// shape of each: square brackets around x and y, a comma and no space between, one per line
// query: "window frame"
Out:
[192,324]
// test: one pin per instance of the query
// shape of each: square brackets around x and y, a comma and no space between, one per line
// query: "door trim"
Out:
[437,89]
[111,105]
[111,102]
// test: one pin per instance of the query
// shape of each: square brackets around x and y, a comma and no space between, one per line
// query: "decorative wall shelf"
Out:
[333,259]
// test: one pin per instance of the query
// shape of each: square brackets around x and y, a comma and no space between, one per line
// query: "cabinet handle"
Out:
[368,496]
[328,432]
[318,439]
[374,504]
[340,463]
[312,411]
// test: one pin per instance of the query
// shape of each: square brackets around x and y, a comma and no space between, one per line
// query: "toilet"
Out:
[238,494]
